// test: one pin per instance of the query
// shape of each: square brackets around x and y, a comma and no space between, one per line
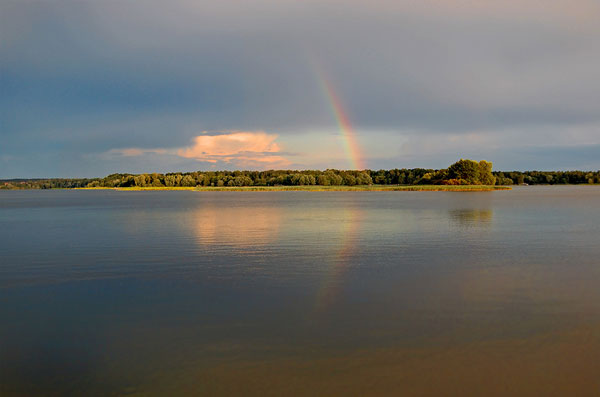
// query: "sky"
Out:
[89,88]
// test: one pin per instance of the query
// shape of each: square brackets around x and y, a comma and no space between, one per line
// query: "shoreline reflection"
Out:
[472,217]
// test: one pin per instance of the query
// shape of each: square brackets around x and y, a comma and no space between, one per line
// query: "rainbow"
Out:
[351,143]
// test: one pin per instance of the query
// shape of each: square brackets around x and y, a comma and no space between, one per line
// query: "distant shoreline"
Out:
[463,175]
[342,188]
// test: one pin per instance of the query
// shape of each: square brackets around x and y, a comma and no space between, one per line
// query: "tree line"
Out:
[463,172]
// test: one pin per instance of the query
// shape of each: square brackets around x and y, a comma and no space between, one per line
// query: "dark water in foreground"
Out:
[300,293]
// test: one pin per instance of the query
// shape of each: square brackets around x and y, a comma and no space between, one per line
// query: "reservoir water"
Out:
[300,293]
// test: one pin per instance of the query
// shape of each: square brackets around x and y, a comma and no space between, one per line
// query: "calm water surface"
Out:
[300,293]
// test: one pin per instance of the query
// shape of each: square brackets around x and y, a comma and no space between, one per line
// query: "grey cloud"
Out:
[93,76]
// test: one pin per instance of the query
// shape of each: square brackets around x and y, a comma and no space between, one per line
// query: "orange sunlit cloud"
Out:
[242,148]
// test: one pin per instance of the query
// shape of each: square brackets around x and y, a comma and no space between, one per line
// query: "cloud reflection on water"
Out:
[239,227]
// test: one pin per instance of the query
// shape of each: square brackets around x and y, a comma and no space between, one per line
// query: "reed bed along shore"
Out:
[366,188]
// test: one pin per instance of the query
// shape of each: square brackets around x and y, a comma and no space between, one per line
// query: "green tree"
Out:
[141,180]
[170,180]
[188,180]
[468,170]
[485,173]
[363,179]
[323,180]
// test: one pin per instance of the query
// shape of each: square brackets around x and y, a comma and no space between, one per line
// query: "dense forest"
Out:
[463,172]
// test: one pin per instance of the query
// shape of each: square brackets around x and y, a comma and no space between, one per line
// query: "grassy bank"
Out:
[369,188]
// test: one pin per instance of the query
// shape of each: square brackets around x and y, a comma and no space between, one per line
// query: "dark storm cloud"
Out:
[85,78]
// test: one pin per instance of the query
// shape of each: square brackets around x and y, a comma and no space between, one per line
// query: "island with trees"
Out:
[463,175]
